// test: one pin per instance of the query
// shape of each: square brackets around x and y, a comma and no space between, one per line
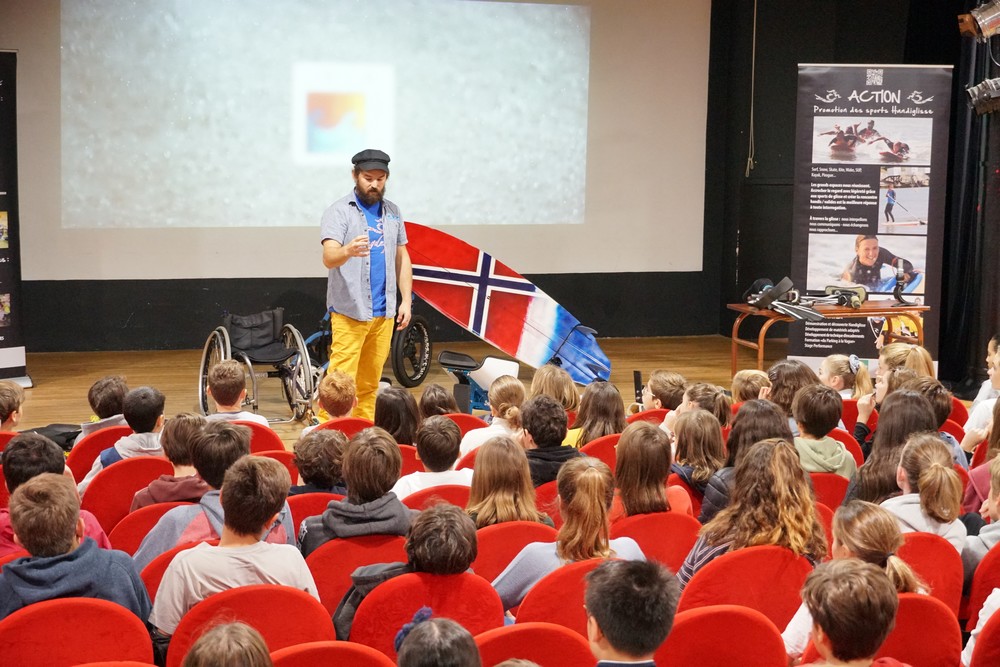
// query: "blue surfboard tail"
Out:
[582,357]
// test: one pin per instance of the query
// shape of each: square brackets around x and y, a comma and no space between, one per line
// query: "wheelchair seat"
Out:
[261,339]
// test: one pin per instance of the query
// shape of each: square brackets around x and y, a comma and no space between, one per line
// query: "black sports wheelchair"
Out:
[263,340]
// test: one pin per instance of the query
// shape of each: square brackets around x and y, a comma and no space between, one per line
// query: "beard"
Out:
[370,196]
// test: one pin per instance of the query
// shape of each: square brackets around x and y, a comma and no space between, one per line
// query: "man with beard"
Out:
[364,248]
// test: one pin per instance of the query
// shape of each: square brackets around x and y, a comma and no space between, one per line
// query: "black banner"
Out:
[12,354]
[870,178]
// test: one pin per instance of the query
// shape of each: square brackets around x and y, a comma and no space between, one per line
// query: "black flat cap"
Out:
[371,159]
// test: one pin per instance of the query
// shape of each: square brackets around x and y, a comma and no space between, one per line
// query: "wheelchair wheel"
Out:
[296,373]
[411,352]
[217,348]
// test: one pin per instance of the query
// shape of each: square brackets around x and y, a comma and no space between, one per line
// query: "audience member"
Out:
[885,384]
[747,384]
[816,409]
[144,413]
[787,377]
[701,395]
[506,395]
[252,496]
[979,477]
[438,440]
[220,445]
[586,490]
[396,411]
[914,357]
[772,504]
[756,420]
[184,485]
[436,400]
[441,540]
[904,413]
[371,467]
[853,605]
[977,546]
[550,380]
[846,375]
[700,450]
[319,458]
[227,387]
[602,413]
[630,610]
[107,401]
[544,421]
[501,487]
[663,391]
[987,391]
[942,405]
[11,402]
[931,498]
[867,532]
[642,467]
[64,562]
[436,642]
[233,644]
[337,397]
[981,417]
[26,456]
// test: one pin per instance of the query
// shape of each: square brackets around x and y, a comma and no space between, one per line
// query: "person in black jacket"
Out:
[544,421]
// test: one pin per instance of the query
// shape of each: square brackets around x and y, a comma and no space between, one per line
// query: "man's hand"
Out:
[403,315]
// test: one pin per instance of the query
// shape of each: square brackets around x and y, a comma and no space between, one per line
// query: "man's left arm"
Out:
[404,280]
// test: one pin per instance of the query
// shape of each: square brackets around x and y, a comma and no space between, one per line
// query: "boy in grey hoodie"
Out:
[64,563]
[143,410]
[816,409]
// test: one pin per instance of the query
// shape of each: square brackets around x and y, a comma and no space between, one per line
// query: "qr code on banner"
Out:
[873,77]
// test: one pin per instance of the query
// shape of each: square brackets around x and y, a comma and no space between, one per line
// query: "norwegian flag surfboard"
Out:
[492,301]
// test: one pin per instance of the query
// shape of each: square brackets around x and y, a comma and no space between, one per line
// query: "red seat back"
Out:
[926,635]
[20,553]
[499,543]
[349,426]
[468,460]
[546,644]
[410,461]
[850,443]
[653,416]
[722,636]
[959,413]
[547,500]
[987,650]
[830,488]
[765,578]
[90,630]
[938,563]
[81,458]
[663,536]
[985,579]
[305,505]
[262,438]
[456,494]
[979,455]
[110,494]
[954,429]
[849,415]
[603,448]
[284,616]
[696,496]
[466,422]
[332,563]
[128,534]
[465,598]
[558,597]
[152,574]
[5,437]
[825,516]
[311,654]
[285,458]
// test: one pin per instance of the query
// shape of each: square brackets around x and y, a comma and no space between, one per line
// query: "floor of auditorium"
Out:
[61,379]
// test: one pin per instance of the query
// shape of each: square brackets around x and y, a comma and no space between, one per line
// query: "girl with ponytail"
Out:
[846,374]
[932,491]
[505,398]
[870,533]
[586,489]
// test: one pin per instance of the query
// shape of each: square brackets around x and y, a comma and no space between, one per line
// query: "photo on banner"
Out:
[869,201]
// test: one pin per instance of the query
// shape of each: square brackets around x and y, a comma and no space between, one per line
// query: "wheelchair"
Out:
[261,340]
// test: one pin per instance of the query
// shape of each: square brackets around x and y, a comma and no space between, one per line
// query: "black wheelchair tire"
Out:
[411,352]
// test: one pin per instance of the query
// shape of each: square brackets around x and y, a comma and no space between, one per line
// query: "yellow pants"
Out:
[360,350]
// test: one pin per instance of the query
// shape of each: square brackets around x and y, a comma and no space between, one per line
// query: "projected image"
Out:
[188,114]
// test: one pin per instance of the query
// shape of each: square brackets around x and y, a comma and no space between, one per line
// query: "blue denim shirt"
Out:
[348,289]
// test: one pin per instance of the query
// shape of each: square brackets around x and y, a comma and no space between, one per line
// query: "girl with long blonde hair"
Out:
[586,489]
[557,383]
[847,375]
[501,485]
[772,503]
[506,395]
[700,450]
[641,470]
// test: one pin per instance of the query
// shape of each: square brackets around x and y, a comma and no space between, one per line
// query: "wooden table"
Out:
[888,309]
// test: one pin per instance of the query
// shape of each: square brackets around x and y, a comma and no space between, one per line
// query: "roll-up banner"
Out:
[12,355]
[869,196]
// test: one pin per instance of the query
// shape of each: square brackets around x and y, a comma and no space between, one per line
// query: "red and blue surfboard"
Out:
[497,304]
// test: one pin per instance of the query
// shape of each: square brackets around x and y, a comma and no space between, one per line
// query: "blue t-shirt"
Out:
[376,243]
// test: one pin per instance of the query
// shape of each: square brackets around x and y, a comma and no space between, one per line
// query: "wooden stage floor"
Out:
[62,378]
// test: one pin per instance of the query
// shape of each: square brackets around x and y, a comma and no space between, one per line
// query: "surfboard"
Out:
[500,306]
[889,156]
[889,284]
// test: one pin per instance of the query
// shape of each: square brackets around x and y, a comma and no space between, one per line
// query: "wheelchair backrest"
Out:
[251,332]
